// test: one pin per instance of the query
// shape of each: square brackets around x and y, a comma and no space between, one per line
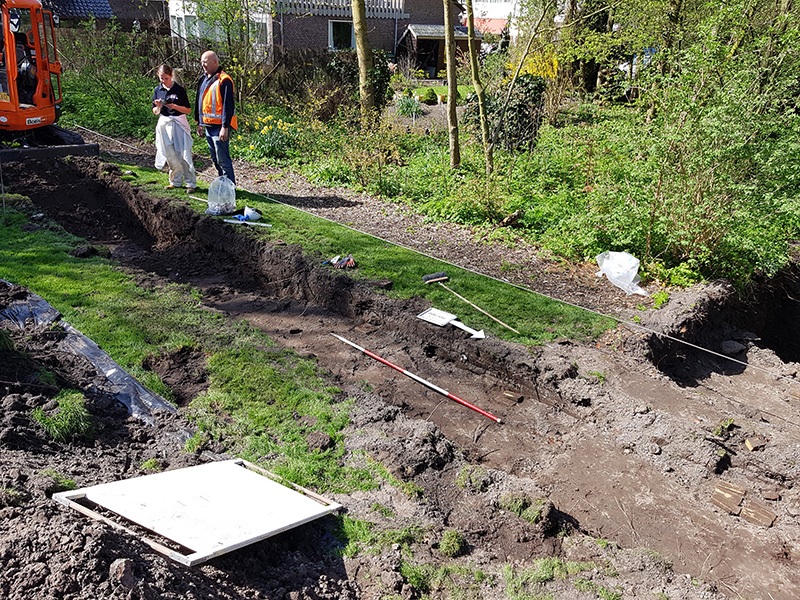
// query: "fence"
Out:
[376,9]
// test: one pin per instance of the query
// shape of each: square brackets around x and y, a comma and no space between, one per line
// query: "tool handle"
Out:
[478,308]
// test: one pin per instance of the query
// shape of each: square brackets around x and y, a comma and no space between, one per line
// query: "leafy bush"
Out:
[71,419]
[428,96]
[273,138]
[518,128]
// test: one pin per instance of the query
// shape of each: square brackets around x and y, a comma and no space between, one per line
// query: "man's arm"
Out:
[226,91]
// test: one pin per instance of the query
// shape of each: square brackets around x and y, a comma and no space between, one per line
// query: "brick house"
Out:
[319,24]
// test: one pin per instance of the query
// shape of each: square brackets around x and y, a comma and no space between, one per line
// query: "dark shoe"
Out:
[191,190]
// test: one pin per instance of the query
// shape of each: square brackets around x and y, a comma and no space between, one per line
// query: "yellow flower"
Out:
[238,137]
[252,147]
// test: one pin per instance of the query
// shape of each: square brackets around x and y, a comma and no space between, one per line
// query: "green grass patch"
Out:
[360,536]
[452,543]
[528,509]
[152,465]
[61,482]
[520,583]
[537,318]
[258,396]
[473,478]
[446,581]
[70,420]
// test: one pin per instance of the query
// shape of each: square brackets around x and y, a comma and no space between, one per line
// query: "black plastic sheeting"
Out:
[32,310]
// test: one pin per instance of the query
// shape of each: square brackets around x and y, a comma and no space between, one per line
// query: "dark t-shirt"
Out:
[174,95]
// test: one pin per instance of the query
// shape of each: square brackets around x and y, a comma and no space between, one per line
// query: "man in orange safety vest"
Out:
[215,112]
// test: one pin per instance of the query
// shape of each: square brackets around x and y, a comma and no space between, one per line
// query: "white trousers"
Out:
[174,150]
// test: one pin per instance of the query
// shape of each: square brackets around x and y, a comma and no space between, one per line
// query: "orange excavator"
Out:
[30,85]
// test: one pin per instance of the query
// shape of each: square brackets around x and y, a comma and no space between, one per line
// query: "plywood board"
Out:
[758,514]
[209,509]
[728,497]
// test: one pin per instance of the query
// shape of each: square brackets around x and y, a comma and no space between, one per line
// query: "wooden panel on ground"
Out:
[210,509]
[758,514]
[728,497]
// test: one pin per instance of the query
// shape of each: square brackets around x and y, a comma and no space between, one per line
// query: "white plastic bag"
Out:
[621,269]
[221,197]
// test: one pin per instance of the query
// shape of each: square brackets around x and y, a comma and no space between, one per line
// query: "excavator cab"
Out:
[30,80]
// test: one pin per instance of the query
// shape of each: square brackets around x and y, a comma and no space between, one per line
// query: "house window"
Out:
[341,35]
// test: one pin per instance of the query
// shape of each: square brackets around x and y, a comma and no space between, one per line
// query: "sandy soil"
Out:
[621,437]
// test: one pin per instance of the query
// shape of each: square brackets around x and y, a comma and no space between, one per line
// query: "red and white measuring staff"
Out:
[419,379]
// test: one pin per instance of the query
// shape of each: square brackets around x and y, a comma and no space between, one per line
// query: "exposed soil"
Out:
[619,436]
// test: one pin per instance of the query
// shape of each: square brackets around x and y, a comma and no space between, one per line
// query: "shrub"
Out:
[408,107]
[428,96]
[519,127]
[71,419]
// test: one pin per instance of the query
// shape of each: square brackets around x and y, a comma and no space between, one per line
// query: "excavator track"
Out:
[47,142]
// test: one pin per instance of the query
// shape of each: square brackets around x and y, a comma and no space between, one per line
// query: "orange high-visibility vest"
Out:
[212,103]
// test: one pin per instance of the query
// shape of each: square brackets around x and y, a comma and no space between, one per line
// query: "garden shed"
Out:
[424,46]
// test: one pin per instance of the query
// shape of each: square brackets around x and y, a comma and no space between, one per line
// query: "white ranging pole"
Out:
[419,379]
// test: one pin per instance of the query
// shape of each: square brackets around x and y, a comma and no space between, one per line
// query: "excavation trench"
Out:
[621,452]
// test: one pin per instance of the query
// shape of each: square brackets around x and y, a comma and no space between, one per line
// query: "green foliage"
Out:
[660,298]
[408,107]
[104,83]
[599,375]
[11,496]
[518,128]
[587,585]
[520,583]
[724,427]
[153,465]
[382,510]
[471,477]
[47,378]
[527,509]
[354,533]
[61,482]
[445,581]
[270,137]
[418,576]
[428,96]
[195,443]
[71,419]
[362,536]
[452,543]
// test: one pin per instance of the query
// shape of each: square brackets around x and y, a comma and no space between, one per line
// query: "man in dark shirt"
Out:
[215,113]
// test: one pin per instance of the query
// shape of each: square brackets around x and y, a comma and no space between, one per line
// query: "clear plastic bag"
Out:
[621,269]
[221,197]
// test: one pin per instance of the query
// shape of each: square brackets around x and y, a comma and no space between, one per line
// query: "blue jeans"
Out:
[220,153]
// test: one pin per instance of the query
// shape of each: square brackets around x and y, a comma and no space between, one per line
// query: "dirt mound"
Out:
[596,443]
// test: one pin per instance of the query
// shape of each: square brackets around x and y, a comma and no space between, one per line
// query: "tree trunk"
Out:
[480,92]
[452,86]
[364,52]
